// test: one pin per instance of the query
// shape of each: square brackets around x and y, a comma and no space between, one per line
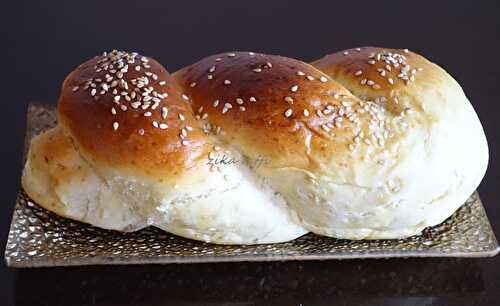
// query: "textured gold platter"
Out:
[40,238]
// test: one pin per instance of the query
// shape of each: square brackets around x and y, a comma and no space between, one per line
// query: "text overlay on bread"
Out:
[244,148]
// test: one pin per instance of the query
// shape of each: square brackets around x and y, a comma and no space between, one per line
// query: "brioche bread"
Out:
[243,148]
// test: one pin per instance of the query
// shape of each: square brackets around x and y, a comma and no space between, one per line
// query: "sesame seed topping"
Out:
[115,125]
[210,77]
[345,52]
[358,73]
[212,69]
[300,73]
[113,111]
[242,108]
[306,113]
[185,97]
[75,88]
[257,70]
[192,84]
[323,79]
[184,142]
[231,54]
[310,78]
[162,83]
[390,80]
[155,124]
[239,101]
[288,113]
[141,131]
[147,114]
[181,116]
[289,100]
[227,82]
[216,103]
[294,88]
[163,126]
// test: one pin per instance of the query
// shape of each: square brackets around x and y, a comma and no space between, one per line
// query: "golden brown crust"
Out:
[265,104]
[378,72]
[105,103]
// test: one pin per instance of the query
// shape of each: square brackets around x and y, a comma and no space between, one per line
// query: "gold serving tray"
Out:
[40,238]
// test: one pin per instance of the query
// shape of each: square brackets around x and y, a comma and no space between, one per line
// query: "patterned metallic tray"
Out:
[40,238]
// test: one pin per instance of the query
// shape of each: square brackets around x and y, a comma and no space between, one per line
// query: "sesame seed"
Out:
[216,103]
[113,111]
[147,114]
[306,113]
[363,82]
[294,88]
[371,62]
[376,86]
[218,59]
[212,69]
[242,108]
[141,131]
[345,52]
[351,147]
[257,70]
[185,97]
[289,100]
[155,124]
[123,107]
[184,132]
[228,105]
[181,116]
[115,125]
[390,80]
[117,99]
[323,79]
[227,82]
[252,99]
[75,88]
[300,73]
[210,77]
[162,83]
[358,49]
[288,112]
[406,50]
[251,53]
[269,65]
[231,54]
[370,82]
[93,92]
[137,68]
[189,128]
[164,112]
[239,101]
[192,84]
[163,126]
[310,78]
[358,73]
[184,142]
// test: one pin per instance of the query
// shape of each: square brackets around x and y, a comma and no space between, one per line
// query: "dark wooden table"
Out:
[42,41]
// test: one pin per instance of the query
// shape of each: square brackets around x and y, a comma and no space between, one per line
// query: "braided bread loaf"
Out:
[243,148]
